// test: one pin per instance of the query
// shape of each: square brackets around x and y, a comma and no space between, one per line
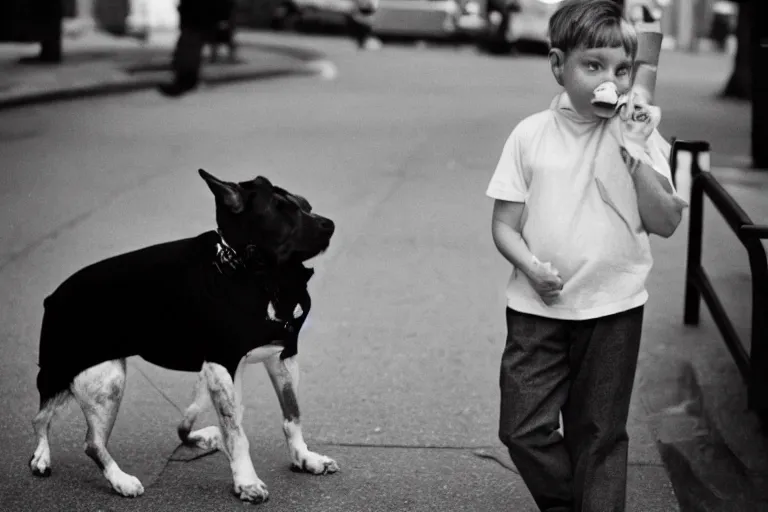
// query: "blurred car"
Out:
[318,14]
[513,21]
[429,19]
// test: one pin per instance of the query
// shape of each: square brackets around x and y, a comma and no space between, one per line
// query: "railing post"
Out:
[673,162]
[699,151]
[757,384]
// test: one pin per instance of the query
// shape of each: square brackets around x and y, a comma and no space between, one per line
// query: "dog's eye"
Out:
[285,206]
[282,206]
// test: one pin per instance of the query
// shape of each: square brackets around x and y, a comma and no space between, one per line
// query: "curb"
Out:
[308,63]
[294,52]
[137,84]
[705,472]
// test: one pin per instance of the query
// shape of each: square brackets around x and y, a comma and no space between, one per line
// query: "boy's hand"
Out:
[546,280]
[639,118]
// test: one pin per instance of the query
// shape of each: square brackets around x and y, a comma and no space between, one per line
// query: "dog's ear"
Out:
[262,180]
[229,194]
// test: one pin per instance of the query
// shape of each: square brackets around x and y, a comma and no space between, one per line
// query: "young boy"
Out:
[572,214]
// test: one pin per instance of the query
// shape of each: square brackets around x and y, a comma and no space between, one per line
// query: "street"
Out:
[400,355]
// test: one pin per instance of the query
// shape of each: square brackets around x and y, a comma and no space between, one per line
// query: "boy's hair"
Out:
[591,24]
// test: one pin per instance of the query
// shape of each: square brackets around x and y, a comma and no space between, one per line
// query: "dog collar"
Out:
[227,259]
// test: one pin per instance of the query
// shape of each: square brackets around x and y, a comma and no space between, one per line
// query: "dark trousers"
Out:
[359,28]
[585,369]
[188,55]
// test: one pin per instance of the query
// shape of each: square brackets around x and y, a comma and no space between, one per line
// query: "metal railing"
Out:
[753,365]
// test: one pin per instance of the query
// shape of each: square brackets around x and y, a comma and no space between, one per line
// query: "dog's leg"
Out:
[208,438]
[41,460]
[284,374]
[235,444]
[99,391]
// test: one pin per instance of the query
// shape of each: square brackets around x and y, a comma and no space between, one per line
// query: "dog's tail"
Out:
[50,380]
[46,387]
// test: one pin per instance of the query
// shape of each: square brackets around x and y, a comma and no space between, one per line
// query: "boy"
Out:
[572,214]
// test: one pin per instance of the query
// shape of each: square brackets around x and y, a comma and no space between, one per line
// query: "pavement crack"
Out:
[178,456]
[162,393]
[406,446]
[504,462]
[483,452]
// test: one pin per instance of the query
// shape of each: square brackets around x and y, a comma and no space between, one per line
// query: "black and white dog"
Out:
[210,304]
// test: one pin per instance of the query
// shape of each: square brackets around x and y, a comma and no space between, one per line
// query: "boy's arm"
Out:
[506,234]
[507,237]
[660,208]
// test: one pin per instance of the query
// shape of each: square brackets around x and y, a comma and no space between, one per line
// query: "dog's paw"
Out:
[127,485]
[40,464]
[208,438]
[252,493]
[311,462]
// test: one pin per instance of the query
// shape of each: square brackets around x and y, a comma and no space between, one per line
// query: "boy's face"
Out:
[583,69]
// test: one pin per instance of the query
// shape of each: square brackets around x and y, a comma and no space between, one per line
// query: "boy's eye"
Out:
[622,72]
[593,66]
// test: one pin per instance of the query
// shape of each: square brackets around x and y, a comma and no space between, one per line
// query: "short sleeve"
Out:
[658,150]
[508,181]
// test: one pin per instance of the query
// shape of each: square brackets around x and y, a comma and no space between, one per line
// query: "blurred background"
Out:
[686,24]
[495,26]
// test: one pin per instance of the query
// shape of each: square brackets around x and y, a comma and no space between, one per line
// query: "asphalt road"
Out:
[400,355]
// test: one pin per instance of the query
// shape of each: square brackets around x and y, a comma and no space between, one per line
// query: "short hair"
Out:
[591,24]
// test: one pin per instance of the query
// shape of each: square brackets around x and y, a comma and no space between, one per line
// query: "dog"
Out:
[211,304]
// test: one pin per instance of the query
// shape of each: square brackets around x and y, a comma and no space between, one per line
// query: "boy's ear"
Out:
[557,63]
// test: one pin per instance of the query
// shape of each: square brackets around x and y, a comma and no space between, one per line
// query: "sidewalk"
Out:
[98,63]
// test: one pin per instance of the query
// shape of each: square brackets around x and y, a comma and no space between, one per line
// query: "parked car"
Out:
[432,19]
[319,14]
[429,19]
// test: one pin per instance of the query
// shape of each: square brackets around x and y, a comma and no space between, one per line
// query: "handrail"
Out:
[753,365]
[754,230]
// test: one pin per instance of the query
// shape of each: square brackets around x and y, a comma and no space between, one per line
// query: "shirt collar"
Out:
[562,105]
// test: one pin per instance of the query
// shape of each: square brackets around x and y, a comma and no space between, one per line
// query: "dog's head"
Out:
[260,220]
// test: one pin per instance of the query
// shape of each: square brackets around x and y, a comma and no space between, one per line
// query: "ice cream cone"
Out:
[646,64]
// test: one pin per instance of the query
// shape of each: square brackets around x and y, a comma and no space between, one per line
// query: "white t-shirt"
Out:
[580,212]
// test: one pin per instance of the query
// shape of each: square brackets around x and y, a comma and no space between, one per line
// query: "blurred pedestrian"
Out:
[198,22]
[41,21]
[360,27]
[581,255]
[723,14]
[224,31]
